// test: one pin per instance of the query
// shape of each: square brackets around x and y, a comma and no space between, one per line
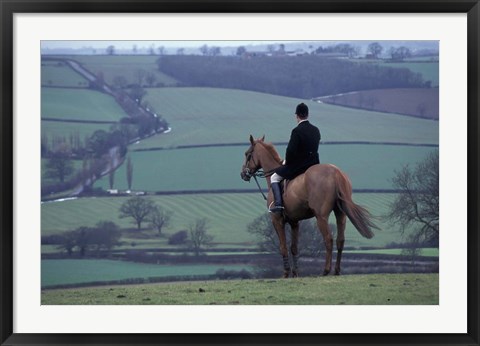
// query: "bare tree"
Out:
[111,50]
[199,238]
[150,78]
[241,50]
[159,218]
[417,204]
[140,75]
[310,242]
[59,165]
[138,208]
[375,49]
[204,49]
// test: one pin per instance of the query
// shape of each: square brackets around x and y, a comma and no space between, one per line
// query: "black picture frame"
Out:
[10,7]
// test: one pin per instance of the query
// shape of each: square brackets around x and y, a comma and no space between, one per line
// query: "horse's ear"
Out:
[252,140]
[262,139]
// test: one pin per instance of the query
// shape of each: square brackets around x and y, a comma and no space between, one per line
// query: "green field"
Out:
[228,214]
[216,168]
[378,289]
[206,116]
[65,272]
[125,66]
[58,74]
[79,104]
[52,129]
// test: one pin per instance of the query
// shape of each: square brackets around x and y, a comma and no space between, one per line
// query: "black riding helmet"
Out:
[302,110]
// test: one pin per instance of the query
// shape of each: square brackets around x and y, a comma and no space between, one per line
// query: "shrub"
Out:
[178,238]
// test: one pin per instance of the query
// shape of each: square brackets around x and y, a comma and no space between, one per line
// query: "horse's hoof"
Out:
[337,272]
[325,272]
[285,275]
[294,275]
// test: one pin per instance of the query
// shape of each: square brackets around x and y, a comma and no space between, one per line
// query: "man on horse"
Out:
[302,153]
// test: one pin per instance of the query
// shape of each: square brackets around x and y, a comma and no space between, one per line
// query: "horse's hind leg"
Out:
[341,223]
[294,248]
[279,225]
[322,223]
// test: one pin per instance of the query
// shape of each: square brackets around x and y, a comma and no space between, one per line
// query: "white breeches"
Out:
[275,178]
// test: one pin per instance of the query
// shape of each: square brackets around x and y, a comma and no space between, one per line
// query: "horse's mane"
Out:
[271,149]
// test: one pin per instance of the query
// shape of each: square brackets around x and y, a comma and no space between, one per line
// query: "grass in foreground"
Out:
[375,289]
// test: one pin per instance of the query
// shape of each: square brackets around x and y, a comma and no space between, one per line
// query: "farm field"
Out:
[232,214]
[126,66]
[52,129]
[205,116]
[373,289]
[63,272]
[79,104]
[55,73]
[417,102]
[218,168]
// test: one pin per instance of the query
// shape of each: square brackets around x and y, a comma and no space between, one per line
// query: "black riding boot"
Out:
[277,196]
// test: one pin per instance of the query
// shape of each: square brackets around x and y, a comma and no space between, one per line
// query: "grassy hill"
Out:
[378,289]
[422,102]
[79,104]
[217,168]
[205,116]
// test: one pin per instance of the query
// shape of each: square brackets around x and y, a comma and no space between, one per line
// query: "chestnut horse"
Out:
[323,188]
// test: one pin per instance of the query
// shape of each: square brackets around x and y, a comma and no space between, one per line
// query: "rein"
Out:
[260,174]
[259,188]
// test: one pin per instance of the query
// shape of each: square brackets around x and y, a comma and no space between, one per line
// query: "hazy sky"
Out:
[146,44]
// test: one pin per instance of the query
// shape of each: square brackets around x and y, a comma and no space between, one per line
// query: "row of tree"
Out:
[106,235]
[373,50]
[289,76]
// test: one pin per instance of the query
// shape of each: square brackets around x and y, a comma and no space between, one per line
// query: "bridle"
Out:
[258,172]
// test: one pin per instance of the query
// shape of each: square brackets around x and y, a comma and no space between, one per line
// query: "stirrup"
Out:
[275,208]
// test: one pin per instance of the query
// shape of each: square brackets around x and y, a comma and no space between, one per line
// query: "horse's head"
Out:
[252,163]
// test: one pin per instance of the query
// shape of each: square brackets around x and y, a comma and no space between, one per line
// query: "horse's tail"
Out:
[358,215]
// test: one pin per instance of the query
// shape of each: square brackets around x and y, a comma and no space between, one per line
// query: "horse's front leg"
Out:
[294,247]
[279,225]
